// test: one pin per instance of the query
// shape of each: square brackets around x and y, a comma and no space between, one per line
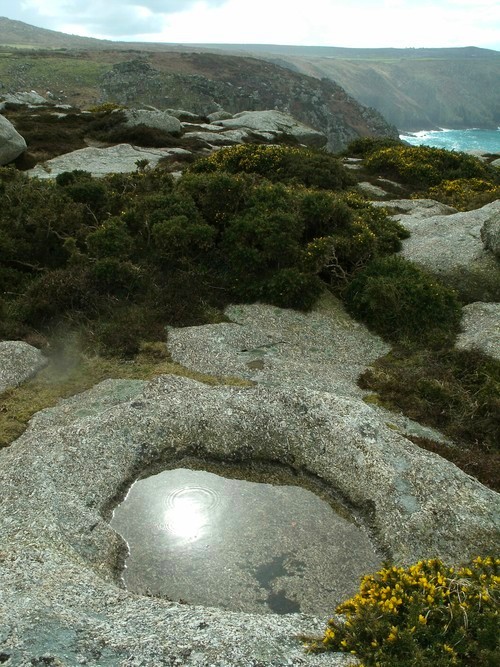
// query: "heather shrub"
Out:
[402,302]
[292,288]
[111,239]
[455,391]
[426,614]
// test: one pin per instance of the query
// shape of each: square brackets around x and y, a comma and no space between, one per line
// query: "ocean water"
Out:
[486,141]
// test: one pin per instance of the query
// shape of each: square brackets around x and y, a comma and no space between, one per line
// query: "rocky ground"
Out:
[62,599]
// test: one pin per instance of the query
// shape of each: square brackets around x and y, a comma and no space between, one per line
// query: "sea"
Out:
[485,141]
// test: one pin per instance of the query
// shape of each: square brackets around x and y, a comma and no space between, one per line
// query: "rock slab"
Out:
[18,362]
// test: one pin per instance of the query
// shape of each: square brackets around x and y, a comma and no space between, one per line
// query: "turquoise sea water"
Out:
[487,141]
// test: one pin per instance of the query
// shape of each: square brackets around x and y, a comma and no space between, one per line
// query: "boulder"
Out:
[161,120]
[101,161]
[31,98]
[12,144]
[490,234]
[273,124]
[371,190]
[18,362]
[451,242]
[481,328]
[219,115]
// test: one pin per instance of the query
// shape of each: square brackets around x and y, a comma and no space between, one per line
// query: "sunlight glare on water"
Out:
[246,546]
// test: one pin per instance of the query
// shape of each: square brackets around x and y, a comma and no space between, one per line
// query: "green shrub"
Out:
[426,614]
[424,166]
[219,196]
[123,332]
[312,168]
[111,239]
[291,288]
[465,194]
[179,239]
[56,293]
[110,276]
[402,302]
[363,146]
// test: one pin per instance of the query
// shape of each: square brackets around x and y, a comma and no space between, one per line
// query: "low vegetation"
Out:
[426,614]
[123,256]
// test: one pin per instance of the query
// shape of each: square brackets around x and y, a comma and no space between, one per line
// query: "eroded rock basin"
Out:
[240,545]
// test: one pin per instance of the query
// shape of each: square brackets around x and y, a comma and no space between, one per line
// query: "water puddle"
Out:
[197,537]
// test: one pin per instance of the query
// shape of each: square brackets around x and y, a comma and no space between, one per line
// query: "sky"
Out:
[348,23]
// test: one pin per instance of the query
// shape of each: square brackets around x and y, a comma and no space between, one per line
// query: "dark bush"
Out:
[402,303]
[291,288]
[363,146]
[111,239]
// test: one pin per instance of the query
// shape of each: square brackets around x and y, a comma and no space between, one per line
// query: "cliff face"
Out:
[206,82]
[446,88]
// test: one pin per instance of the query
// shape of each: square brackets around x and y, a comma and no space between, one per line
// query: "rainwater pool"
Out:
[204,539]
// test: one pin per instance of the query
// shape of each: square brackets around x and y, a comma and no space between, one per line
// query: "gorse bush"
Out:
[465,194]
[404,303]
[423,166]
[312,168]
[426,614]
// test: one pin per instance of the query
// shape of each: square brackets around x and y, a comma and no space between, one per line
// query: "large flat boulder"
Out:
[61,591]
[277,123]
[121,159]
[450,242]
[12,144]
[161,120]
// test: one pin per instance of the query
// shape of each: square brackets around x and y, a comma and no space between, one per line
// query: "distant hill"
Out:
[199,81]
[412,88]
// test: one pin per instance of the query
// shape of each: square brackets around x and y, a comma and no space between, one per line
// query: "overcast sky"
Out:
[354,23]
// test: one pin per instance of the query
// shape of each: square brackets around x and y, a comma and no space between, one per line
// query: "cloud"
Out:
[359,23]
[113,18]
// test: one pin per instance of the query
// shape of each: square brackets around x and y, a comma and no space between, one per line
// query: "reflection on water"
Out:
[205,539]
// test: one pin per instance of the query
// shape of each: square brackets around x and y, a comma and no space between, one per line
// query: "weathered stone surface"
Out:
[101,161]
[161,120]
[416,208]
[277,123]
[28,97]
[446,243]
[323,350]
[490,234]
[371,190]
[219,115]
[58,576]
[481,328]
[18,362]
[12,144]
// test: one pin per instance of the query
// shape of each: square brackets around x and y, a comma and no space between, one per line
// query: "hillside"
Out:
[201,81]
[413,89]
